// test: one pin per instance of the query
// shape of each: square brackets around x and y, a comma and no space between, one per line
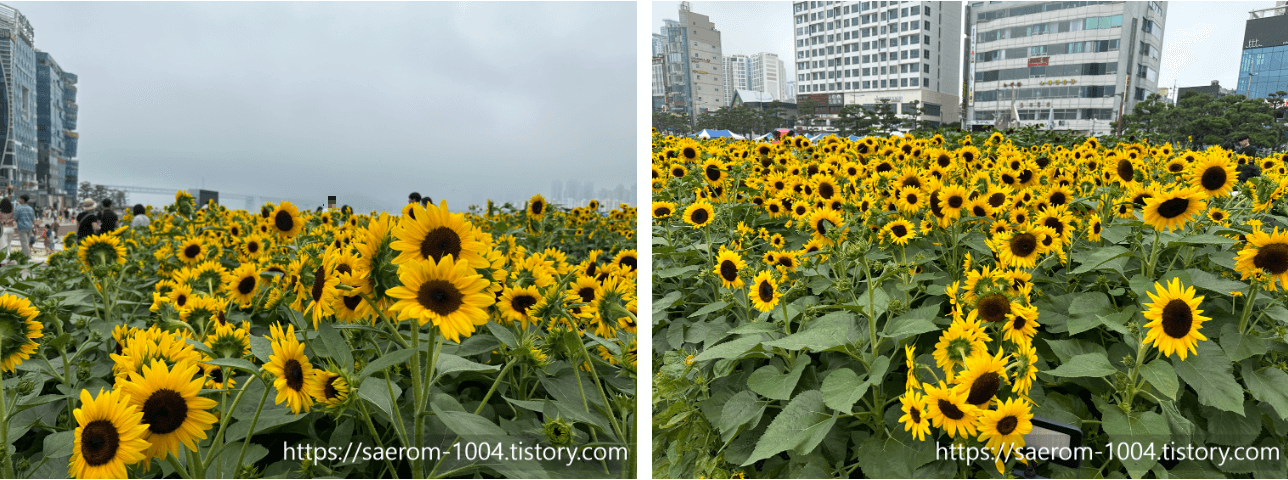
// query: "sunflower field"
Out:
[220,343]
[879,307]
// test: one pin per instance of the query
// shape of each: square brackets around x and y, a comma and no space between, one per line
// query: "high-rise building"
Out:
[737,75]
[659,44]
[659,83]
[768,74]
[1068,65]
[694,80]
[1265,45]
[859,53]
[55,122]
[18,61]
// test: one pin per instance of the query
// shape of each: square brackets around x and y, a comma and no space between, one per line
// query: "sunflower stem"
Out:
[174,463]
[366,415]
[495,383]
[1247,306]
[417,466]
[4,431]
[1135,369]
[250,433]
[223,419]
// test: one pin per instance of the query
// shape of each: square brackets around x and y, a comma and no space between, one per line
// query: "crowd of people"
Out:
[21,221]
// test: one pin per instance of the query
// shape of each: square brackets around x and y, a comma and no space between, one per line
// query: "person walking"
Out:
[86,219]
[51,230]
[25,217]
[6,224]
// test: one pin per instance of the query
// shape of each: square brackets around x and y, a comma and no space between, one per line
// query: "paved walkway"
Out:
[38,252]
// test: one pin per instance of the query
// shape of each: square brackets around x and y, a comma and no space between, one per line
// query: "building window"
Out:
[925,82]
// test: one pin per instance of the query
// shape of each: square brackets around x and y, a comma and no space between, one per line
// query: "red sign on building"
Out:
[1038,61]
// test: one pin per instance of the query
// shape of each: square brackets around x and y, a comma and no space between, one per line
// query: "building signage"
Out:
[1266,32]
[1039,61]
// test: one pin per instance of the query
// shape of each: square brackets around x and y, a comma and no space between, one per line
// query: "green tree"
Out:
[670,122]
[807,116]
[886,120]
[855,120]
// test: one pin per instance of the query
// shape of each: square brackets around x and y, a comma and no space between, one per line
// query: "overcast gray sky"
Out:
[459,101]
[1202,40]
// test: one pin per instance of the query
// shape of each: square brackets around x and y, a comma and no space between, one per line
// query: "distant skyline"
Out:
[367,101]
[1202,41]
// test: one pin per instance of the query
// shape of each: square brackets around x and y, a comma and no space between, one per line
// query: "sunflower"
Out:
[192,250]
[1268,252]
[254,246]
[764,292]
[1213,176]
[1094,228]
[242,283]
[910,199]
[1218,216]
[516,304]
[1021,326]
[537,206]
[18,331]
[960,341]
[171,407]
[285,220]
[1171,210]
[699,214]
[663,209]
[180,295]
[1021,247]
[448,293]
[1175,319]
[109,436]
[914,415]
[728,266]
[1025,357]
[626,261]
[321,292]
[349,305]
[947,409]
[822,221]
[227,341]
[328,388]
[713,170]
[1004,429]
[101,249]
[436,233]
[900,231]
[291,368]
[982,377]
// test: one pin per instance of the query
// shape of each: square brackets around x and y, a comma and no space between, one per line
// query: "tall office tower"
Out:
[737,75]
[55,120]
[1068,65]
[859,53]
[695,83]
[18,61]
[1265,45]
[659,83]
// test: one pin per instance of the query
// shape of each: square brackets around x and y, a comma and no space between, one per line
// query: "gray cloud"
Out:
[461,101]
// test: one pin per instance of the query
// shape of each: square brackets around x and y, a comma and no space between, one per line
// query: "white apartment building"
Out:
[1068,65]
[859,53]
[768,75]
[737,75]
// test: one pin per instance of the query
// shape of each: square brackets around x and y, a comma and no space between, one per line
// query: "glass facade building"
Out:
[18,113]
[1263,68]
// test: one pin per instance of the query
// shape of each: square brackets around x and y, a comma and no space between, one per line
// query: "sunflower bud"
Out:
[25,387]
[558,432]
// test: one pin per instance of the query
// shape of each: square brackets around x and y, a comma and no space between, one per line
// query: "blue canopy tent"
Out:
[716,134]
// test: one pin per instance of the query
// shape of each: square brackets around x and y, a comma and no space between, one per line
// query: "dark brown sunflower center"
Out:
[1175,167]
[181,300]
[538,207]
[1173,208]
[1019,322]
[1024,244]
[826,191]
[1055,224]
[351,302]
[343,268]
[1272,258]
[662,212]
[713,173]
[765,291]
[1213,178]
[951,411]
[521,303]
[1058,198]
[822,225]
[191,251]
[915,413]
[1177,318]
[983,388]
[911,199]
[99,441]
[1007,424]
[252,247]
[329,390]
[996,200]
[728,271]
[294,373]
[283,221]
[994,308]
[439,242]
[216,375]
[899,231]
[689,153]
[1125,170]
[700,216]
[165,410]
[628,262]
[246,285]
[319,284]
[440,296]
[587,294]
[955,201]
